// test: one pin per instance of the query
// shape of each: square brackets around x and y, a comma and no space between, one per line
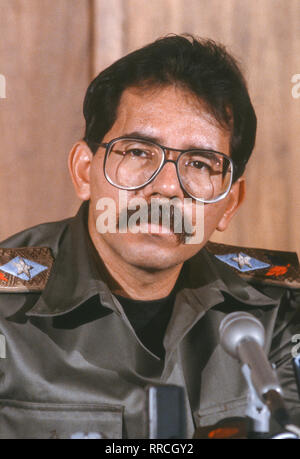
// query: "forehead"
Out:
[172,115]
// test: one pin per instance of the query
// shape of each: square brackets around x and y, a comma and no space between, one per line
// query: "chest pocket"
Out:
[50,420]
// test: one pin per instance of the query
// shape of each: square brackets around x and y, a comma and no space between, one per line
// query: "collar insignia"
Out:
[25,269]
[264,266]
[242,262]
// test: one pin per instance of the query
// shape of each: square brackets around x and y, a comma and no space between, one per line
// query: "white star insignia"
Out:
[242,260]
[23,268]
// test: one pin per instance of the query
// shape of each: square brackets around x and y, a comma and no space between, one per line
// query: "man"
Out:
[91,316]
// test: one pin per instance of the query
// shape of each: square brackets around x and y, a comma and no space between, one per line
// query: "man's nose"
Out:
[166,183]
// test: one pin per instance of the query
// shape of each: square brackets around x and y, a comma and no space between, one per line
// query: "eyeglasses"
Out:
[132,163]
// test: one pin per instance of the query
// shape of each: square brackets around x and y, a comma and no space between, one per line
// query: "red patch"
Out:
[2,277]
[223,432]
[278,270]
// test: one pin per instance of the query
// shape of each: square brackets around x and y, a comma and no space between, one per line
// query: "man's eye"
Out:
[135,152]
[199,165]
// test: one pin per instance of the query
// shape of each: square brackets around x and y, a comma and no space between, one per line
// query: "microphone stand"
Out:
[256,410]
[259,413]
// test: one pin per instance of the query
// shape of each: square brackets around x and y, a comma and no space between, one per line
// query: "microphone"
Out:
[242,336]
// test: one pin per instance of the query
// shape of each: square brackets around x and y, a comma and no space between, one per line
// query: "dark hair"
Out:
[202,66]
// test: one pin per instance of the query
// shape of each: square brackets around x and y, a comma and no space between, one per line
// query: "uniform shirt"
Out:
[149,319]
[74,364]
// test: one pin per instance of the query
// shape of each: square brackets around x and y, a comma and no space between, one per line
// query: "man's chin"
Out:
[152,263]
[155,253]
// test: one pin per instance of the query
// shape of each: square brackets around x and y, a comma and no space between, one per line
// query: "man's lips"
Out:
[154,228]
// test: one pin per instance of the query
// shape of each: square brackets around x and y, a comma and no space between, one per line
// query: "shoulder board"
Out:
[272,267]
[25,269]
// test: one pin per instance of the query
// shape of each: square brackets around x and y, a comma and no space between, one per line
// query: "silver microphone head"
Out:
[237,326]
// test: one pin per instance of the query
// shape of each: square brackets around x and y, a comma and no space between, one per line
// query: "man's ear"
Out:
[79,162]
[234,199]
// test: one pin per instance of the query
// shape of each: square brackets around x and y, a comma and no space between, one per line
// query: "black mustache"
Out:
[158,211]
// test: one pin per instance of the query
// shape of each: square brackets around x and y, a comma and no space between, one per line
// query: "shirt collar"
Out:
[205,280]
[76,277]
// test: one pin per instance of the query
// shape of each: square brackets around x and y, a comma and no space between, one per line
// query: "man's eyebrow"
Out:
[149,138]
[142,136]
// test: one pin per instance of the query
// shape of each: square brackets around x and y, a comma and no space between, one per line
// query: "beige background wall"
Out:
[51,49]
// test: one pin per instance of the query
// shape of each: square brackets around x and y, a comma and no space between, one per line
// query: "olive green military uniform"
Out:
[73,363]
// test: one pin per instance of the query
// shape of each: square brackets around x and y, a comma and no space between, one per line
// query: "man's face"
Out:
[173,117]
